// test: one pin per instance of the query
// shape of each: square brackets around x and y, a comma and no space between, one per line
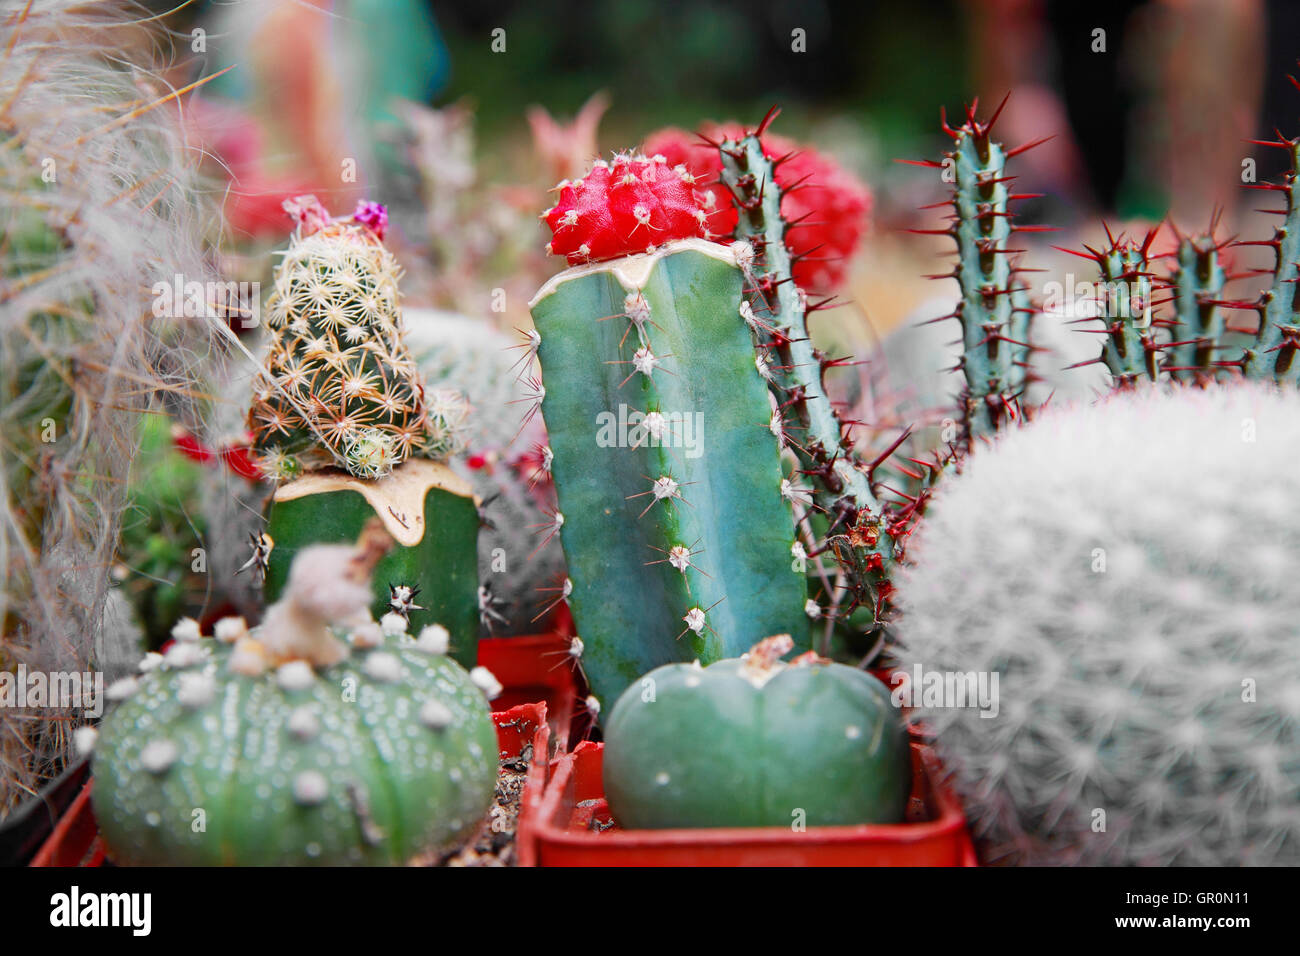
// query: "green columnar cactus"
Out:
[809,740]
[1273,353]
[1130,350]
[864,535]
[341,409]
[668,478]
[285,746]
[1197,285]
[995,311]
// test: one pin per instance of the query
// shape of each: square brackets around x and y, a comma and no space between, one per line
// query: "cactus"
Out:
[292,747]
[469,356]
[339,388]
[1130,350]
[1144,640]
[679,542]
[995,311]
[825,207]
[1197,284]
[866,537]
[101,202]
[809,735]
[1272,353]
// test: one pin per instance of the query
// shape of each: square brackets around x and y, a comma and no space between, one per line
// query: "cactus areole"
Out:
[667,473]
[756,742]
[320,737]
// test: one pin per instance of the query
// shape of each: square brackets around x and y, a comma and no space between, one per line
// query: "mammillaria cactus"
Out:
[808,740]
[319,738]
[674,510]
[339,386]
[341,409]
[1126,571]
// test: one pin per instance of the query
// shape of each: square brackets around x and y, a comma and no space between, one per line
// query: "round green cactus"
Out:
[296,743]
[755,741]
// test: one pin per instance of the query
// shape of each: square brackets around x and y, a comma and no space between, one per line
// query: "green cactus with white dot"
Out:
[319,738]
[679,540]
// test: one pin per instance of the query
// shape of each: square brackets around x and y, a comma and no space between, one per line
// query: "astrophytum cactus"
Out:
[319,738]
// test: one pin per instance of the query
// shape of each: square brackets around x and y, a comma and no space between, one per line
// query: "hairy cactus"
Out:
[809,735]
[319,738]
[866,537]
[1126,571]
[674,511]
[100,203]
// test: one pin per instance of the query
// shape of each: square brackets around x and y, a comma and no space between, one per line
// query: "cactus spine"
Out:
[1129,349]
[864,537]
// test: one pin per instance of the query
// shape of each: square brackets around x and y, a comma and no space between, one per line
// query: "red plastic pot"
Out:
[537,667]
[571,826]
[75,840]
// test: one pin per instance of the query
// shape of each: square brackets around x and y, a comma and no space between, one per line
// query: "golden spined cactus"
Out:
[339,387]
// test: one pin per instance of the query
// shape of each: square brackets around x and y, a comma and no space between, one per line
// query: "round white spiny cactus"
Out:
[1127,570]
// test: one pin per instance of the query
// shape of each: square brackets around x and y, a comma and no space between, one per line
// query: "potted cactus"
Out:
[319,737]
[341,419]
[805,763]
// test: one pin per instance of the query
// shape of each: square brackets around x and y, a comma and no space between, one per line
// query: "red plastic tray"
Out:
[571,826]
[75,840]
[537,667]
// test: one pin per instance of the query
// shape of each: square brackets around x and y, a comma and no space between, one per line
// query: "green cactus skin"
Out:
[390,784]
[632,605]
[812,736]
[441,562]
[1273,353]
[862,536]
[1129,350]
[1197,284]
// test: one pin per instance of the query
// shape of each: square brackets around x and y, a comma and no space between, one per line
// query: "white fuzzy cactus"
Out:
[1127,570]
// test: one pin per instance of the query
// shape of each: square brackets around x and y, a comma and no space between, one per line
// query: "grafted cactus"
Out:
[319,738]
[341,409]
[673,507]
